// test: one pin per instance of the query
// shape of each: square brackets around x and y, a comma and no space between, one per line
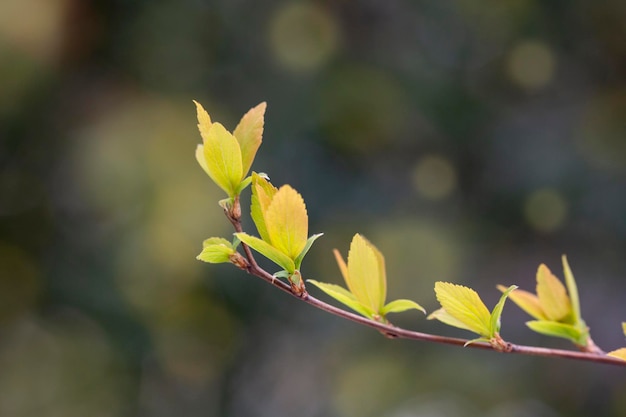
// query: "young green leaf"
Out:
[556,329]
[249,134]
[494,320]
[287,222]
[268,251]
[573,291]
[464,305]
[400,305]
[307,246]
[216,250]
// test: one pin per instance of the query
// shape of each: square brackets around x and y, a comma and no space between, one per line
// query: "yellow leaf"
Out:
[249,133]
[223,158]
[527,301]
[624,328]
[204,120]
[552,295]
[619,353]
[287,222]
[262,194]
[464,305]
[365,279]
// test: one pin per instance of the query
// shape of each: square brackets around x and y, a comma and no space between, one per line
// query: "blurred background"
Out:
[469,140]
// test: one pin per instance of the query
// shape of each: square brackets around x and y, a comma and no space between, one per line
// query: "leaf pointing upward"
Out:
[287,222]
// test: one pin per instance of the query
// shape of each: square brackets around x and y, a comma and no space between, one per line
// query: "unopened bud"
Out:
[239,261]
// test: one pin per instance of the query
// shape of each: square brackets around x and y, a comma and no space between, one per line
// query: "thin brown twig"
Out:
[398,332]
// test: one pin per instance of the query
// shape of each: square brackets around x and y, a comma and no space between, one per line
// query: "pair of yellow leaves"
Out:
[556,312]
[366,279]
[227,157]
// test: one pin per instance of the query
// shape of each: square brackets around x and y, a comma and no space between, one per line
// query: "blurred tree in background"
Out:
[470,140]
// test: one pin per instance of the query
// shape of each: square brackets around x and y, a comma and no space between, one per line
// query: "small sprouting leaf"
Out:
[366,279]
[262,193]
[556,329]
[527,301]
[494,321]
[242,185]
[223,158]
[624,328]
[401,305]
[465,305]
[619,353]
[268,251]
[343,296]
[287,222]
[573,291]
[216,241]
[249,133]
[552,295]
[216,250]
[307,246]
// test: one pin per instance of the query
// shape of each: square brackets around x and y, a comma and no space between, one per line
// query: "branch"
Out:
[396,332]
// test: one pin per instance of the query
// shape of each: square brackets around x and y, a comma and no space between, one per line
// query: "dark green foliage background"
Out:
[470,141]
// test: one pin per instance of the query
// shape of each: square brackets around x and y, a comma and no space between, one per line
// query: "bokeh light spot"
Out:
[33,27]
[303,37]
[531,65]
[434,177]
[545,210]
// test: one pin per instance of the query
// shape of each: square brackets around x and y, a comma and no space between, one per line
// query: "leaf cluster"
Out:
[281,220]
